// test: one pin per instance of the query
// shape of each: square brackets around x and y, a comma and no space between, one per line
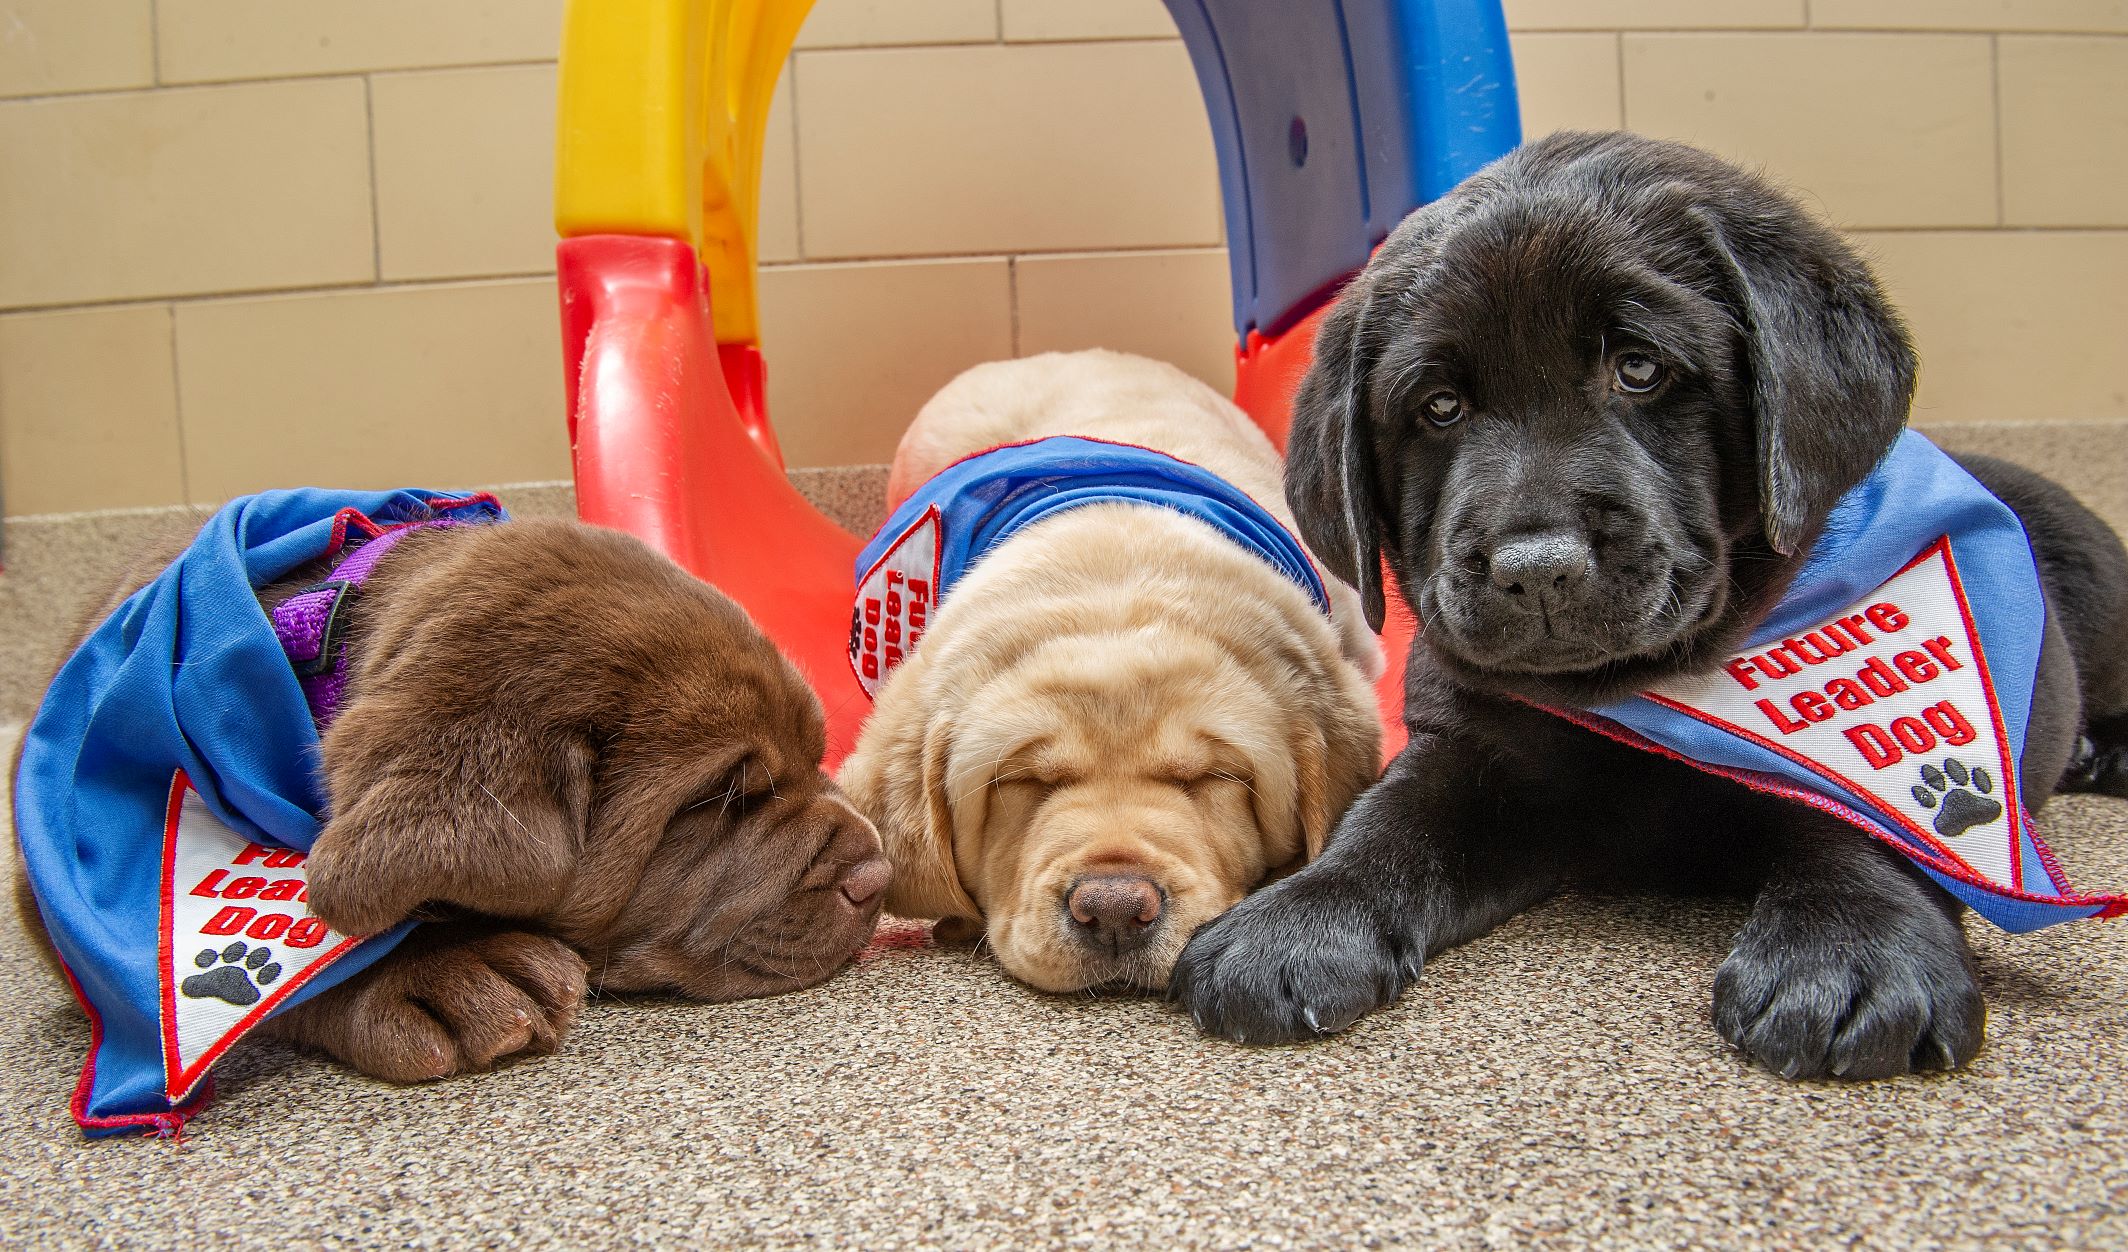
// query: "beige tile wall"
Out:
[254,242]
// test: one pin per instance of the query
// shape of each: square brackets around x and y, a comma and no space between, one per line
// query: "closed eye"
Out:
[747,786]
[1197,782]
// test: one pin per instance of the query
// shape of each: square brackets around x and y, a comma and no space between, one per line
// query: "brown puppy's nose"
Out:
[866,880]
[1114,912]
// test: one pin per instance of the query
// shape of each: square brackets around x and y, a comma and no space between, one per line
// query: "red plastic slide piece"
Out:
[746,381]
[662,452]
[1266,374]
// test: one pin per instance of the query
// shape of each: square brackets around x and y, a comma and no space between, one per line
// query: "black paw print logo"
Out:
[1959,795]
[233,974]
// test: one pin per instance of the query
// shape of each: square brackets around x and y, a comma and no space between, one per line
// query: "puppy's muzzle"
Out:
[1540,573]
[1114,913]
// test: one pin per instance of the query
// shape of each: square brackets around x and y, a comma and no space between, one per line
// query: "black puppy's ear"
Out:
[1329,457]
[1832,369]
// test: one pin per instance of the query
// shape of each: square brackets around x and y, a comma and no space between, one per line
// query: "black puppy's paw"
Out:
[1835,1002]
[2097,765]
[1305,957]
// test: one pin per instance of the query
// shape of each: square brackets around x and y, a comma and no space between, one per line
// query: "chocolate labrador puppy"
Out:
[1594,407]
[589,771]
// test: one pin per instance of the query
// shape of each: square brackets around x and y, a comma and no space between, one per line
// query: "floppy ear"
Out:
[1336,750]
[1832,369]
[425,809]
[927,883]
[1329,455]
[1311,800]
[898,778]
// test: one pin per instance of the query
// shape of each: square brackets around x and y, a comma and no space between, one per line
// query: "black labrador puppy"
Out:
[1633,379]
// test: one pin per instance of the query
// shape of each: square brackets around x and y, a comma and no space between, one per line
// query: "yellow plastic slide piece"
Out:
[664,108]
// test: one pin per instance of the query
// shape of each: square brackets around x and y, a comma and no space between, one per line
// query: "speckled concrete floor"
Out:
[1556,1083]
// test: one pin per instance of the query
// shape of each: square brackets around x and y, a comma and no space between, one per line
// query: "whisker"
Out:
[505,808]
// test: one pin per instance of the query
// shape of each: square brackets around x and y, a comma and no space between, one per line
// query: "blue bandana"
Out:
[1891,688]
[977,503]
[168,791]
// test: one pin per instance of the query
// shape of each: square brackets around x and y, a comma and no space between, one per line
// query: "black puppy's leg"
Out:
[1853,964]
[1412,869]
[2100,762]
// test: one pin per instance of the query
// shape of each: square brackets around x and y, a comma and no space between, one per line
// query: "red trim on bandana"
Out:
[935,519]
[451,504]
[341,521]
[170,1125]
[179,1078]
[2109,906]
[2018,818]
[1306,555]
[2013,782]
[938,551]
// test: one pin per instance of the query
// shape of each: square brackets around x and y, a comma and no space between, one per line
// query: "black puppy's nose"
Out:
[1114,912]
[1547,566]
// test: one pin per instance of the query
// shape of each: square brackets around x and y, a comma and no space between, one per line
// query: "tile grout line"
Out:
[1012,301]
[155,40]
[999,40]
[376,220]
[261,80]
[1995,91]
[429,282]
[1620,46]
[177,408]
[352,285]
[790,67]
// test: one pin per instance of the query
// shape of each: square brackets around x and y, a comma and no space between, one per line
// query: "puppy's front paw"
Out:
[1819,1001]
[454,998]
[1304,957]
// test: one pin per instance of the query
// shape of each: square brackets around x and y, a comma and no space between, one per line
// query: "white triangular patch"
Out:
[1890,698]
[237,936]
[895,601]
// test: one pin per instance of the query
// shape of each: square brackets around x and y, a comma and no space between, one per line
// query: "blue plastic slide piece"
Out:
[1333,120]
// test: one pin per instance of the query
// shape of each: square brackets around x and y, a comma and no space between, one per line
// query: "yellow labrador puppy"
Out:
[1121,716]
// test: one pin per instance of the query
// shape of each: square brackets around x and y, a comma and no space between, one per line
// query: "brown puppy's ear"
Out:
[1329,454]
[429,810]
[1832,369]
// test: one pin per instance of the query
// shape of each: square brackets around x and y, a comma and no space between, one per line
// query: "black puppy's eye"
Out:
[1638,373]
[1443,408]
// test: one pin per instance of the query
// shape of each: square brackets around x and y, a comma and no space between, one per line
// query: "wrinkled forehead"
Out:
[1550,284]
[1099,707]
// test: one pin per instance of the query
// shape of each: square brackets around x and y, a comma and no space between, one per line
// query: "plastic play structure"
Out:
[1332,119]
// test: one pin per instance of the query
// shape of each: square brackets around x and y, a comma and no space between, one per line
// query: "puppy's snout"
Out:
[1543,568]
[1114,912]
[865,880]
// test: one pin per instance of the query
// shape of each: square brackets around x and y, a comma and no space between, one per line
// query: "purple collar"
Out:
[312,624]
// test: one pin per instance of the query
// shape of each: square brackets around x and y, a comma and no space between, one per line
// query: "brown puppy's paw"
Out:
[454,998]
[344,893]
[957,931]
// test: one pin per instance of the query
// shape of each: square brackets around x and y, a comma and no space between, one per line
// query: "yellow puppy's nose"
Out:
[1114,912]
